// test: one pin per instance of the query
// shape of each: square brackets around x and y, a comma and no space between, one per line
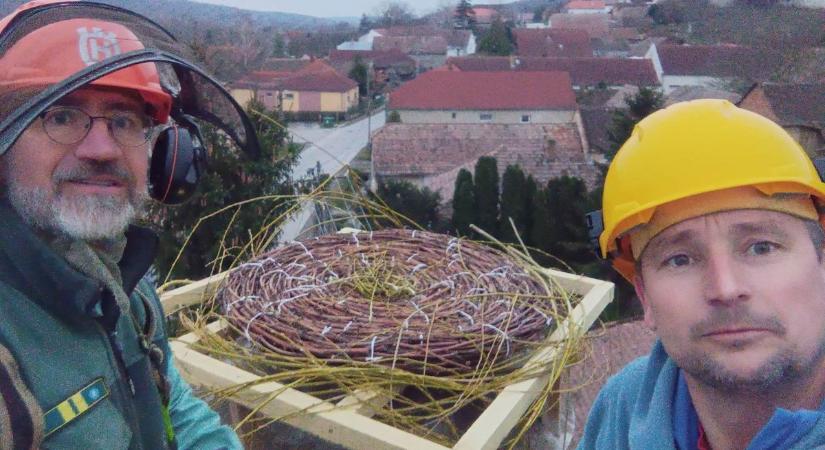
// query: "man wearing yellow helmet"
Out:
[95,108]
[713,213]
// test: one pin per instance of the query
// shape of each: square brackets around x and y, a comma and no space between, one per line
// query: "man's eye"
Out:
[761,248]
[61,117]
[127,122]
[677,261]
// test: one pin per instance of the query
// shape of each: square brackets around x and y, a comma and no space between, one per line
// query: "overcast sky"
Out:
[332,8]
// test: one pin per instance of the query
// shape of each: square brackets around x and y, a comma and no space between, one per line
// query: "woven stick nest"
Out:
[410,299]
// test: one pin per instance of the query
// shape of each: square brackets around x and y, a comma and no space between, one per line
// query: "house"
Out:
[485,16]
[587,7]
[584,72]
[316,88]
[552,42]
[390,67]
[432,154]
[450,97]
[597,25]
[710,65]
[798,108]
[362,43]
[428,46]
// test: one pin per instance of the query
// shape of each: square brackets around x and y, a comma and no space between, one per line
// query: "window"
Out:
[525,118]
[486,117]
[288,96]
[453,115]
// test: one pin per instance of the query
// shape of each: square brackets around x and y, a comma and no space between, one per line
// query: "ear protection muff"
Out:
[178,160]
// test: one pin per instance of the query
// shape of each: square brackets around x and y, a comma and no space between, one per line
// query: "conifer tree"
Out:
[487,194]
[464,203]
[568,202]
[539,233]
[465,17]
[513,204]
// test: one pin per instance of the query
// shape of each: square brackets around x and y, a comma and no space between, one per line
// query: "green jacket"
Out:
[83,379]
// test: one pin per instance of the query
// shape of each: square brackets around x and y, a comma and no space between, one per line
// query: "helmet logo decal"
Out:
[96,45]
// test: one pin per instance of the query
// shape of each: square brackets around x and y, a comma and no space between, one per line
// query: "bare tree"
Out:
[394,12]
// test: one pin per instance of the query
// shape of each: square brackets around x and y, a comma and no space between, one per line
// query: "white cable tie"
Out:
[418,310]
[253,264]
[347,326]
[417,268]
[340,255]
[248,324]
[480,290]
[305,249]
[421,338]
[284,301]
[372,356]
[547,320]
[355,238]
[364,260]
[413,233]
[503,335]
[468,317]
[245,298]
[473,305]
[412,256]
[326,330]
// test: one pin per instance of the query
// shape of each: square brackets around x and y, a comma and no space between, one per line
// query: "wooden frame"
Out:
[349,423]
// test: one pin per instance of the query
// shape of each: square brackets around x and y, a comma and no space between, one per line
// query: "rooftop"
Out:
[585,4]
[553,42]
[796,104]
[583,71]
[726,60]
[440,90]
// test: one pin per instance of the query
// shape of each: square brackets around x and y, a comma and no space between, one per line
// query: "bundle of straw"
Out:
[420,301]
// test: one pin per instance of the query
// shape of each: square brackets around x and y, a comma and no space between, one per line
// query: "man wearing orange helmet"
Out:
[87,93]
[713,213]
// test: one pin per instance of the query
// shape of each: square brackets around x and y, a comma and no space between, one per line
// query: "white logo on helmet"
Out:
[96,45]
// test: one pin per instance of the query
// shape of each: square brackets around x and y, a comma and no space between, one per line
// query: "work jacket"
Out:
[80,358]
[646,406]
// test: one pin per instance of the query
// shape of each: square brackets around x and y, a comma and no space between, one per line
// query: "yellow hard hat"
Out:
[694,148]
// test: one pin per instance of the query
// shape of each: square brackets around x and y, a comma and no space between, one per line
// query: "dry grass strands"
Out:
[424,302]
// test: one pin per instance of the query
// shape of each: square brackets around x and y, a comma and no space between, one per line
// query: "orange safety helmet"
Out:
[58,50]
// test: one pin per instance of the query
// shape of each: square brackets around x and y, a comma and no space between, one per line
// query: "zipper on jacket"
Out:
[117,349]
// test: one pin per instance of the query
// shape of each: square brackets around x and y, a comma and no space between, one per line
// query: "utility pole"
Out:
[373,187]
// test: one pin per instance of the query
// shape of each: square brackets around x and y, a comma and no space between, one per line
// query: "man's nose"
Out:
[724,280]
[99,144]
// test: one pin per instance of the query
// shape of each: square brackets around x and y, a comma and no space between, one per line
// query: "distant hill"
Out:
[167,12]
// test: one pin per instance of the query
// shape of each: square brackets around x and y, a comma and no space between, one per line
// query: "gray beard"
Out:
[90,218]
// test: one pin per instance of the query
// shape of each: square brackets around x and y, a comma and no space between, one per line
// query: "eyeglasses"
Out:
[68,125]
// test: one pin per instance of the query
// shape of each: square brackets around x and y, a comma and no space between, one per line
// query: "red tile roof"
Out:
[553,42]
[437,90]
[585,4]
[317,76]
[596,25]
[796,104]
[583,71]
[380,58]
[435,152]
[716,61]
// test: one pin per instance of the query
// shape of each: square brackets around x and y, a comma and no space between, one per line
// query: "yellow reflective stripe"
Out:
[66,411]
[79,402]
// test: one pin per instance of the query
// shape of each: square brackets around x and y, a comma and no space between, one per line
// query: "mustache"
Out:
[87,169]
[735,318]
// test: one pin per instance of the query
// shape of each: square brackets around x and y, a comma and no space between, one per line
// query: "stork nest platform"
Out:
[414,300]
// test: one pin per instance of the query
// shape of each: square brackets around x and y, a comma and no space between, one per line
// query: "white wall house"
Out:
[468,49]
[363,43]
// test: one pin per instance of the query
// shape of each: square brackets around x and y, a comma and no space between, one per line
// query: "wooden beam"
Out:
[191,294]
[498,419]
[301,410]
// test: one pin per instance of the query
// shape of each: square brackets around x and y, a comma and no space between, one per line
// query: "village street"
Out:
[331,147]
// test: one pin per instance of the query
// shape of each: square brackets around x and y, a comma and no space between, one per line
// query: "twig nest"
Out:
[409,299]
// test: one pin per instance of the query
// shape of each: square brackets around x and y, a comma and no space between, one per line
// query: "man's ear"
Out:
[639,286]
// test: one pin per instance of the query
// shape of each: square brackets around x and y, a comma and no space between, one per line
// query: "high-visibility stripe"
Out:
[74,406]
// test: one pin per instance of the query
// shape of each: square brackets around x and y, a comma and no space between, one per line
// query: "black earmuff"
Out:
[178,161]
